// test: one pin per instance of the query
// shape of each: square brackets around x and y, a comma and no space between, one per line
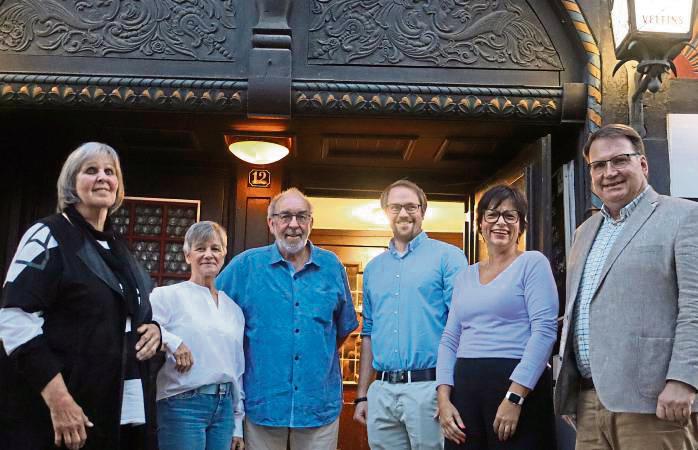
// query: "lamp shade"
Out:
[258,152]
[650,22]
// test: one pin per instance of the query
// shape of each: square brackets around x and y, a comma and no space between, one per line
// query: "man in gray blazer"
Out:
[629,348]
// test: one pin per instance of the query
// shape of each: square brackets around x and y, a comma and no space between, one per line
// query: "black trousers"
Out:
[132,437]
[480,386]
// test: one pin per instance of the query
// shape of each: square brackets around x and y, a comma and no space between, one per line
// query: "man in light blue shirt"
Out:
[298,312]
[406,296]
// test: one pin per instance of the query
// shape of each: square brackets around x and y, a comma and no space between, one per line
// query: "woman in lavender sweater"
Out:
[494,385]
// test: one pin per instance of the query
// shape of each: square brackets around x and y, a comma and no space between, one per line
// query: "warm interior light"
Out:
[258,152]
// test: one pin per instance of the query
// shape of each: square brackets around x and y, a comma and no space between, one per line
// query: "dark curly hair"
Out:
[498,194]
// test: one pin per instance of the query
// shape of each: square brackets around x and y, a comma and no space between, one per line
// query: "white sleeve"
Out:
[18,327]
[161,315]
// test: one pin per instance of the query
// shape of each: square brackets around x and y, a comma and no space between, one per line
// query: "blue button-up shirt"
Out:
[292,323]
[605,238]
[406,301]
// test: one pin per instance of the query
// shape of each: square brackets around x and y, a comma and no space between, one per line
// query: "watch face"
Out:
[514,398]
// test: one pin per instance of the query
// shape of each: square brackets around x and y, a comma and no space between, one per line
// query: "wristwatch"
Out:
[514,398]
[358,400]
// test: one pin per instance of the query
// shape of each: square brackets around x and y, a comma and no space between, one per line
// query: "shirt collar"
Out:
[275,257]
[413,244]
[626,210]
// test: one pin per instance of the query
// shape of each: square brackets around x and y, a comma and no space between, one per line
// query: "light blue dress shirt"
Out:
[406,301]
[292,323]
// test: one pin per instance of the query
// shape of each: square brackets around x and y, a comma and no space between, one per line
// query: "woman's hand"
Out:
[183,358]
[451,423]
[449,418]
[149,342]
[68,419]
[238,444]
[506,420]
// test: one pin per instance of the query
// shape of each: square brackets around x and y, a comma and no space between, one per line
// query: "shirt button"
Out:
[394,331]
[296,358]
[297,330]
[394,351]
[397,293]
[295,388]
[297,304]
[397,276]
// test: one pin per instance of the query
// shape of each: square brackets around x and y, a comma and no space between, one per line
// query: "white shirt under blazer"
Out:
[188,313]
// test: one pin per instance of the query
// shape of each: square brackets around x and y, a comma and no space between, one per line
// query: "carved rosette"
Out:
[162,29]
[492,102]
[503,34]
[117,93]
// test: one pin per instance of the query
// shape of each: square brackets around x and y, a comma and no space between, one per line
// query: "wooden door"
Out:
[529,172]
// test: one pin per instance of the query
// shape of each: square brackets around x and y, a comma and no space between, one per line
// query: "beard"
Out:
[292,248]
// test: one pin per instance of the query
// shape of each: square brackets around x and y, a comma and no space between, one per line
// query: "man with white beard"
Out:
[298,312]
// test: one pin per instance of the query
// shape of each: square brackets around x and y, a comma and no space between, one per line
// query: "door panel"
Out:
[529,172]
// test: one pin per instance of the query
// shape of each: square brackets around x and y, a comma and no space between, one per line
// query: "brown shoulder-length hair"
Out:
[498,194]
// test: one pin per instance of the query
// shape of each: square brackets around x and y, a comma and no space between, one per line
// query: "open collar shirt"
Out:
[406,298]
[293,320]
[608,232]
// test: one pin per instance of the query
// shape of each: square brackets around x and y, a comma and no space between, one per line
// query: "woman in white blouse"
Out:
[199,389]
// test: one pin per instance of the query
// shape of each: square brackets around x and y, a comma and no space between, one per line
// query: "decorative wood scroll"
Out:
[502,34]
[161,29]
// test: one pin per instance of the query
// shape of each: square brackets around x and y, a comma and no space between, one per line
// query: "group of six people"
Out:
[448,350]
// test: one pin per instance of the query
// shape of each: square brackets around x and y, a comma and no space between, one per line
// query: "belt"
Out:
[215,389]
[586,384]
[407,376]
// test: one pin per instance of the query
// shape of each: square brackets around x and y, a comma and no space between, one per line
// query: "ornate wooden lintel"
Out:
[435,101]
[121,92]
[310,98]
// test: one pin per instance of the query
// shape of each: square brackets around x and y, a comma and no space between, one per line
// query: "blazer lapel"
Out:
[97,266]
[585,240]
[637,219]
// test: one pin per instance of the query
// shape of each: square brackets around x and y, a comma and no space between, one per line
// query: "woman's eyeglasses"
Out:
[492,216]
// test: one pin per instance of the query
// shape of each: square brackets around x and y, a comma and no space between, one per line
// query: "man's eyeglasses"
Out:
[411,208]
[302,218]
[510,216]
[617,162]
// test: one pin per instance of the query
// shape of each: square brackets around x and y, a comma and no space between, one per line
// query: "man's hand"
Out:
[149,341]
[674,403]
[238,444]
[361,413]
[184,360]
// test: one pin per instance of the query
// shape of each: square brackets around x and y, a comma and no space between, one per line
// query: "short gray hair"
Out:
[65,186]
[204,231]
[271,210]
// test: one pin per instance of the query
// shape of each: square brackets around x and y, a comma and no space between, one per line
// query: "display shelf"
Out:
[154,229]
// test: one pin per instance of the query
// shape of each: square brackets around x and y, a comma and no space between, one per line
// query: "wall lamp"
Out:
[653,33]
[259,150]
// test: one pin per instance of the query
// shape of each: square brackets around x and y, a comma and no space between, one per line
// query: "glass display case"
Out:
[154,229]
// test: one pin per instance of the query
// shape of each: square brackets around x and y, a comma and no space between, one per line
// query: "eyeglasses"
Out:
[411,208]
[285,218]
[510,216]
[617,162]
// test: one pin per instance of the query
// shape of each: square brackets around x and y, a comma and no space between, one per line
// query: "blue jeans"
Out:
[195,420]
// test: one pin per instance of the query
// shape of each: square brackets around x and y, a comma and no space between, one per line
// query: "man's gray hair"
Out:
[271,210]
[202,232]
[65,186]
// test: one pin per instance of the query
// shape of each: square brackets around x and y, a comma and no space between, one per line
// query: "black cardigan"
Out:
[83,338]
